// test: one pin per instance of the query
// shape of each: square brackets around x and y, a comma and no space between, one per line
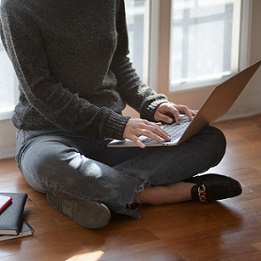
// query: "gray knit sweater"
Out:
[70,57]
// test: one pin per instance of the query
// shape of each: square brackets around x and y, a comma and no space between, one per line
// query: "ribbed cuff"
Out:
[148,109]
[115,126]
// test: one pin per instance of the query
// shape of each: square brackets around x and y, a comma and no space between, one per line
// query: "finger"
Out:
[150,130]
[166,118]
[158,137]
[190,113]
[168,114]
[137,141]
[140,144]
[155,132]
[174,112]
[185,110]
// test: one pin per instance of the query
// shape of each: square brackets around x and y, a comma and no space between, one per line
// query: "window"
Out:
[8,86]
[137,14]
[193,43]
[205,37]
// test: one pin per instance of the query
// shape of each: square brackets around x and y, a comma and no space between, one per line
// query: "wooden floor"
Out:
[227,230]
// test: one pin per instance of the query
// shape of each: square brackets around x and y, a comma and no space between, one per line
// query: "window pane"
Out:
[135,12]
[8,83]
[204,40]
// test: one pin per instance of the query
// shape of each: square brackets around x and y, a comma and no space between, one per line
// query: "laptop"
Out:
[218,103]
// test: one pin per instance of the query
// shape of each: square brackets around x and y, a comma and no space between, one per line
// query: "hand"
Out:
[170,112]
[138,127]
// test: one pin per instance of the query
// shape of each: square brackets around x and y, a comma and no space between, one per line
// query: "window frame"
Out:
[159,75]
[234,57]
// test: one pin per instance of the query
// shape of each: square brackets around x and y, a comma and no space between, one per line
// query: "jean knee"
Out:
[219,143]
[42,163]
[29,165]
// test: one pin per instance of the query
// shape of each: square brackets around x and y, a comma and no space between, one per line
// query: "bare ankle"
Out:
[168,194]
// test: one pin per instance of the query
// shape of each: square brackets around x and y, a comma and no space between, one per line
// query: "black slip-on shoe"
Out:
[212,187]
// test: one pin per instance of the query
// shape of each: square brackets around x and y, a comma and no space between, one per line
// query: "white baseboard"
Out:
[7,153]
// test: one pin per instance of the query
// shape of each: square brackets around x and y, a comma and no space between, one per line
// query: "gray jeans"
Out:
[74,167]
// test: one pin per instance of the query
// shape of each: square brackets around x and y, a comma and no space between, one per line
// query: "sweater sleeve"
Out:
[24,44]
[138,95]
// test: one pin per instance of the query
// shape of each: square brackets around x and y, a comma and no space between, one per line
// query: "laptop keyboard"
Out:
[174,130]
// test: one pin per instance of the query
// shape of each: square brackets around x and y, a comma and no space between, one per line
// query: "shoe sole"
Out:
[86,213]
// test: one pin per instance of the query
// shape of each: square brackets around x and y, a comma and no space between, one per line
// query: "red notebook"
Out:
[5,201]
